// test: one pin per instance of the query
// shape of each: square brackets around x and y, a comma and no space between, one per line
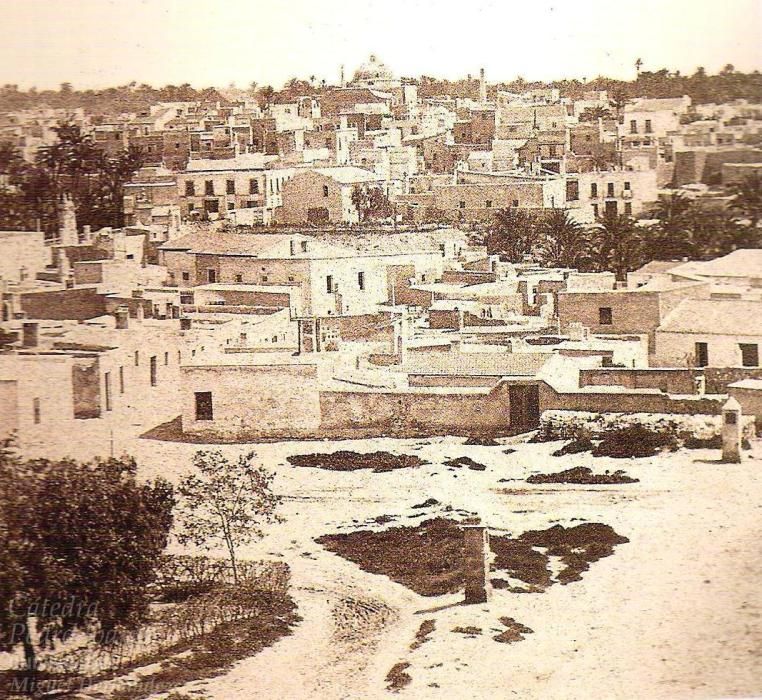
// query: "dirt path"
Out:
[351,621]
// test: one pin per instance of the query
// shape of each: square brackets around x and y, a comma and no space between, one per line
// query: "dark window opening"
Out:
[702,354]
[605,316]
[204,407]
[749,354]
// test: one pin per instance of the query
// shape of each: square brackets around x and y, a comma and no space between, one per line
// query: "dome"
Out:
[373,72]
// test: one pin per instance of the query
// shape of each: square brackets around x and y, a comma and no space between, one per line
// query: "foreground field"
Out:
[673,613]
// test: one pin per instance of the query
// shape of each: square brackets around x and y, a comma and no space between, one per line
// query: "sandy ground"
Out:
[675,613]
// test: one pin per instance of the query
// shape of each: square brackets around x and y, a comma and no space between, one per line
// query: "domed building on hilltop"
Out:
[375,75]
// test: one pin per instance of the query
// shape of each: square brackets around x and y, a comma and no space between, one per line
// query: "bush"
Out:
[636,441]
[581,444]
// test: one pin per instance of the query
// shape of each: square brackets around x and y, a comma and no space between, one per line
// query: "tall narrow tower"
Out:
[342,76]
[67,231]
[482,87]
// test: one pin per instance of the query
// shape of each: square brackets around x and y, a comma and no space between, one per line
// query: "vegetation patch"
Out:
[514,632]
[347,461]
[636,441]
[213,653]
[422,635]
[577,446]
[428,558]
[467,462]
[397,678]
[468,631]
[581,475]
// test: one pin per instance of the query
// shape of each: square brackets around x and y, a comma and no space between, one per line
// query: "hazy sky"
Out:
[97,43]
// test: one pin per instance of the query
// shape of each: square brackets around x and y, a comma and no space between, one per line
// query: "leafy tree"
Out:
[265,95]
[748,198]
[512,234]
[371,203]
[564,242]
[225,502]
[79,544]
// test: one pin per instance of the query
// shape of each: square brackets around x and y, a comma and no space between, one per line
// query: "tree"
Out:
[617,245]
[670,239]
[225,502]
[564,242]
[79,546]
[747,200]
[512,234]
[371,203]
[266,95]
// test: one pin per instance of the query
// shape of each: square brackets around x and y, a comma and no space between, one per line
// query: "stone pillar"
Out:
[732,431]
[476,555]
[30,334]
[140,313]
[122,315]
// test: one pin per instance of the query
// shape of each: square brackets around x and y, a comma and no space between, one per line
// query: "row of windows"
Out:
[230,187]
[487,203]
[612,208]
[634,126]
[749,354]
[330,288]
[609,189]
[153,373]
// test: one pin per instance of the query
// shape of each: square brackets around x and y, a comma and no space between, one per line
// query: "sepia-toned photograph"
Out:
[380,350]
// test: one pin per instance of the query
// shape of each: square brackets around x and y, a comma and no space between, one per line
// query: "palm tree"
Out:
[748,198]
[512,234]
[617,245]
[671,237]
[565,242]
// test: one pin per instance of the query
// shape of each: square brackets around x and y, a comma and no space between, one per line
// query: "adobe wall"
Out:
[436,412]
[672,381]
[9,418]
[718,378]
[74,304]
[626,402]
[252,400]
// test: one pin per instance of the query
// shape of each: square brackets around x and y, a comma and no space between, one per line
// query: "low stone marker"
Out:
[476,556]
[732,431]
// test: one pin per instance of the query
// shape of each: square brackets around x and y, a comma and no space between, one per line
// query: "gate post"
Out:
[476,555]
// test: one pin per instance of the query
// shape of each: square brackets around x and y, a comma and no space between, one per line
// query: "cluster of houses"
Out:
[241,298]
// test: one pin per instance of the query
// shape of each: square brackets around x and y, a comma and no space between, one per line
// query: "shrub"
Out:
[636,441]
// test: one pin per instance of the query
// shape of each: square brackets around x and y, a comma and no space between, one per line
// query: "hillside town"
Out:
[376,269]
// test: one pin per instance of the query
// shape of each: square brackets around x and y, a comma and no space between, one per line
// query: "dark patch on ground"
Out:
[422,635]
[428,503]
[397,678]
[484,441]
[509,451]
[575,447]
[427,558]
[581,475]
[468,631]
[635,441]
[515,631]
[347,461]
[459,462]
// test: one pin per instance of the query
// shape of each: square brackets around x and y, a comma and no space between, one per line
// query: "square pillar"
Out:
[476,557]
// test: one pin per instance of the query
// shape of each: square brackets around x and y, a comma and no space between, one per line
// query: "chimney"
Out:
[31,334]
[342,75]
[122,315]
[482,87]
[140,313]
[87,236]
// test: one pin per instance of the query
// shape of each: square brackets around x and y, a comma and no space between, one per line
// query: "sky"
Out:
[100,43]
